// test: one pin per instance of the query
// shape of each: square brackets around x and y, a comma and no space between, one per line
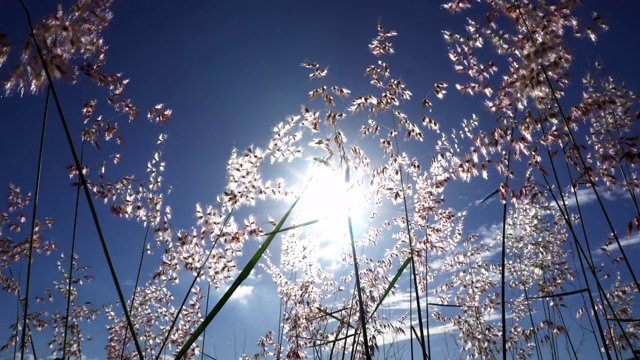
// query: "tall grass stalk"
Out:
[244,274]
[362,314]
[83,181]
[71,262]
[33,225]
[586,256]
[413,276]
[204,333]
[503,256]
[578,151]
[191,286]
[135,286]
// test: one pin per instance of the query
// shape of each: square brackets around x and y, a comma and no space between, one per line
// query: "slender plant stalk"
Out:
[581,157]
[83,182]
[71,262]
[239,280]
[632,193]
[413,274]
[280,330]
[592,269]
[426,285]
[503,261]
[206,310]
[363,319]
[534,327]
[135,287]
[583,163]
[564,210]
[33,224]
[193,283]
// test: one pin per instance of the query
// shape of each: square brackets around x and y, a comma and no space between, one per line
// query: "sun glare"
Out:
[330,200]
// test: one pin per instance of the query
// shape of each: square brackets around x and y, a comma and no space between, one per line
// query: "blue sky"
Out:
[230,71]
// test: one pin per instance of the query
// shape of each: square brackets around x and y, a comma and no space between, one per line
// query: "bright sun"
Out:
[330,200]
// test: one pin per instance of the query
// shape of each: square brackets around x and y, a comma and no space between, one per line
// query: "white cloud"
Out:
[401,300]
[625,243]
[486,200]
[242,294]
[388,337]
[587,195]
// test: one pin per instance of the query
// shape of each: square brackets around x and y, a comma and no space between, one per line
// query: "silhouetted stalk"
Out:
[411,332]
[601,292]
[83,181]
[346,330]
[33,225]
[426,284]
[564,211]
[552,340]
[361,314]
[632,193]
[576,147]
[206,310]
[590,261]
[71,262]
[503,258]
[591,267]
[534,327]
[16,343]
[413,274]
[17,328]
[581,256]
[193,283]
[566,331]
[135,287]
[239,280]
[280,331]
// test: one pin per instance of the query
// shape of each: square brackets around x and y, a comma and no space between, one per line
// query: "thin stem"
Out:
[71,262]
[83,182]
[206,310]
[33,225]
[362,315]
[135,286]
[581,157]
[193,283]
[503,261]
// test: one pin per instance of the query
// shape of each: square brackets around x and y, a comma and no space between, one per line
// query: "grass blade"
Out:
[234,286]
[392,284]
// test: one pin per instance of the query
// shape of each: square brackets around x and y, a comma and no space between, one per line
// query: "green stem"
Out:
[33,225]
[239,280]
[83,182]
[71,263]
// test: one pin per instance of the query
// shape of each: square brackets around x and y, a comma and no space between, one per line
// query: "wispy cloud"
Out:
[626,242]
[390,337]
[586,196]
[242,294]
[402,300]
